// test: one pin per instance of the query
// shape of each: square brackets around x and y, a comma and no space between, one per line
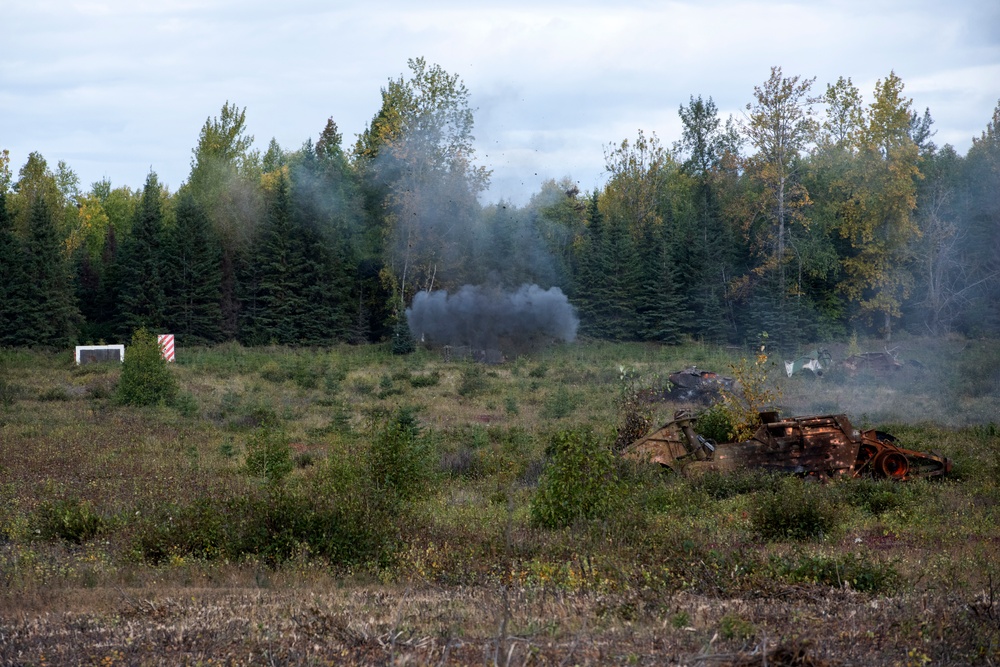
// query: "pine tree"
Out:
[193,275]
[141,300]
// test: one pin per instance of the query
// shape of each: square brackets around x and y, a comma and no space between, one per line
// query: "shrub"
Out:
[8,391]
[70,519]
[559,405]
[473,380]
[722,485]
[579,481]
[855,570]
[268,455]
[715,423]
[400,457]
[402,339]
[145,378]
[797,509]
[877,496]
[425,380]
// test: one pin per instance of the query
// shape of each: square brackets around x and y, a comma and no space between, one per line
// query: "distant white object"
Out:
[89,354]
[166,342]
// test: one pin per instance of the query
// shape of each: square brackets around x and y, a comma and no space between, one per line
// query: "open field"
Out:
[345,506]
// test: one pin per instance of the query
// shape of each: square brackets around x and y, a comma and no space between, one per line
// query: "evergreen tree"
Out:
[141,298]
[48,314]
[13,281]
[324,282]
[193,275]
[279,255]
[659,304]
[615,276]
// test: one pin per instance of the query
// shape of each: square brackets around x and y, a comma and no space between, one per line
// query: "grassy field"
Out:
[345,506]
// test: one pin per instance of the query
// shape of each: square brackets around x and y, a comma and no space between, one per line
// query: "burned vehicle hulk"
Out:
[824,447]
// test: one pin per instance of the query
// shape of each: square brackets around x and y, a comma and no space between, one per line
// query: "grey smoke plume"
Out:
[488,317]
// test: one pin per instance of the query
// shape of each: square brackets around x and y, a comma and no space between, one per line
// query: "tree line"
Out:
[813,215]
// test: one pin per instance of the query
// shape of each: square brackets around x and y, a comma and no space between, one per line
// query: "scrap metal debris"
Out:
[696,386]
[823,446]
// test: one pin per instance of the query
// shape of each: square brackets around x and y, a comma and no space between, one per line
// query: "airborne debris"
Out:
[823,446]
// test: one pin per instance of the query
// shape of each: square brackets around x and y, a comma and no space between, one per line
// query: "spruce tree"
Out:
[193,275]
[141,298]
[615,278]
[13,282]
[280,305]
[48,314]
[659,303]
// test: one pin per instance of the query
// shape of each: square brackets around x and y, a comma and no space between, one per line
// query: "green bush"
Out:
[798,509]
[716,424]
[579,481]
[877,496]
[70,519]
[559,405]
[402,339]
[343,524]
[268,454]
[425,380]
[722,485]
[400,457]
[856,570]
[145,378]
[473,381]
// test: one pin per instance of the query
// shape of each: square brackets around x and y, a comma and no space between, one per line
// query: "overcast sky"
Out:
[119,87]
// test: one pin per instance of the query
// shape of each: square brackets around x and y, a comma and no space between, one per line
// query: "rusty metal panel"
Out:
[821,445]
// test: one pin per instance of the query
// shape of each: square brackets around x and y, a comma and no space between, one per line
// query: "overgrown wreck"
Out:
[825,446]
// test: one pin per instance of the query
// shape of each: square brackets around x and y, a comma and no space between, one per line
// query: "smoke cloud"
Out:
[491,318]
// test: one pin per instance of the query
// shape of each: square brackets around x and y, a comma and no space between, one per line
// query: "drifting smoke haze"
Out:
[488,317]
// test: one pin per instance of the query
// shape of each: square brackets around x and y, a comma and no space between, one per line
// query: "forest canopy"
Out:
[811,216]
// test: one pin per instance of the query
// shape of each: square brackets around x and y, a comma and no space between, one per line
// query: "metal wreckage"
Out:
[823,447]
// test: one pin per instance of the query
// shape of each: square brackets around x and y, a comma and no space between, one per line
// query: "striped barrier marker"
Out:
[166,342]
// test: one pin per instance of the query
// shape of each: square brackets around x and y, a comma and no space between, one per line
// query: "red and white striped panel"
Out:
[166,342]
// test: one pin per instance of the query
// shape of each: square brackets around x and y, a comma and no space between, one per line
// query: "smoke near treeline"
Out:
[492,318]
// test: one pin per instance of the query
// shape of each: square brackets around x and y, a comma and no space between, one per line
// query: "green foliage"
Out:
[400,457]
[192,275]
[431,379]
[268,454]
[878,496]
[752,393]
[344,525]
[560,404]
[856,570]
[579,481]
[473,381]
[797,510]
[731,626]
[634,417]
[141,297]
[146,378]
[715,423]
[402,339]
[722,485]
[69,519]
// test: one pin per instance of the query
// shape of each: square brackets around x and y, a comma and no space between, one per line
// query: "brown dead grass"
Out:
[325,622]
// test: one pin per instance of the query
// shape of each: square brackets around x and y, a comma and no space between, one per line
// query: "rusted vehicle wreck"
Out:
[826,446]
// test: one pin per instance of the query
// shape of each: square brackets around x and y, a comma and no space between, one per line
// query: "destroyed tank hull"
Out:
[824,446]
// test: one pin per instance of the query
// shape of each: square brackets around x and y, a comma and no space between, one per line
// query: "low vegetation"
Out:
[355,505]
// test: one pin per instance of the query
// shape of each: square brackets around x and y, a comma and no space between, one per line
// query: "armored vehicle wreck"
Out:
[825,446]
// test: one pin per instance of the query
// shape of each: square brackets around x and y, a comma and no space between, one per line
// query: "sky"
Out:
[119,88]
